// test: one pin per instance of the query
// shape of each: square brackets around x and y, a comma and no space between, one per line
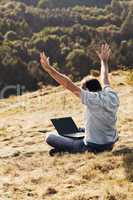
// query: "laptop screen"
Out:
[65,125]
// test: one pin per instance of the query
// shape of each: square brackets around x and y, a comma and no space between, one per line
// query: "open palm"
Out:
[104,53]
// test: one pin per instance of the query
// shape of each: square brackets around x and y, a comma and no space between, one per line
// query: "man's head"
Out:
[93,85]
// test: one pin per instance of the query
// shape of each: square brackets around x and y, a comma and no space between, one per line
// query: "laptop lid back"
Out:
[65,125]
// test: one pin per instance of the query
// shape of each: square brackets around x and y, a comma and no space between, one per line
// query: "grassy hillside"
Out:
[68,33]
[26,170]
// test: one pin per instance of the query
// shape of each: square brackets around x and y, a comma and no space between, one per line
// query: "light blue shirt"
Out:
[101,115]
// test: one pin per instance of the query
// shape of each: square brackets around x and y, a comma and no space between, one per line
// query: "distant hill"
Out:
[69,32]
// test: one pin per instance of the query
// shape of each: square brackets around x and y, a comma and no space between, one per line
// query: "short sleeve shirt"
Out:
[101,115]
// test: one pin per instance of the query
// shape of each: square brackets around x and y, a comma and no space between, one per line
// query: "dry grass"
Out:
[28,173]
[130,77]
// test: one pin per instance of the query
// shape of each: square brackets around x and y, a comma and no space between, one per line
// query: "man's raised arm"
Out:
[60,78]
[104,56]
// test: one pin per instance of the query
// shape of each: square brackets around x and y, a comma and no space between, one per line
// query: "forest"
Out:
[69,31]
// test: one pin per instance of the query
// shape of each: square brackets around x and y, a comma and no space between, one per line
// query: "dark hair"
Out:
[93,85]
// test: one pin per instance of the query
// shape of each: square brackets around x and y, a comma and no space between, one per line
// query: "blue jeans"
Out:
[65,144]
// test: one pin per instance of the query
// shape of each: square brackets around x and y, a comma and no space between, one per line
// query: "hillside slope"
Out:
[28,173]
[69,34]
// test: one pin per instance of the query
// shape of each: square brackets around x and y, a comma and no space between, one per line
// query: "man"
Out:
[101,109]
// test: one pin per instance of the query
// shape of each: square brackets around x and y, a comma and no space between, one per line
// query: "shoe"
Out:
[52,152]
[81,129]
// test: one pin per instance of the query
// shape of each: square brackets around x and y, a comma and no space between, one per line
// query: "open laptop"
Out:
[67,127]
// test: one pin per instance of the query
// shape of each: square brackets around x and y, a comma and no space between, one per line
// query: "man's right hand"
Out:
[104,53]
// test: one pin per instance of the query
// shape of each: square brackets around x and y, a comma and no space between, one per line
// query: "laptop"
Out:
[67,127]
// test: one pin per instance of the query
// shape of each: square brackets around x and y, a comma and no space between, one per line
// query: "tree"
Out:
[71,3]
[42,3]
[52,47]
[78,63]
[29,2]
[11,35]
[1,37]
[127,26]
[116,7]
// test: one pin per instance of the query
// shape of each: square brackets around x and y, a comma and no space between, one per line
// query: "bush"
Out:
[11,35]
[1,37]
[126,28]
[52,47]
[78,62]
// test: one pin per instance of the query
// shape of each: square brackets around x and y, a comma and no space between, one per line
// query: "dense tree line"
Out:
[65,3]
[69,32]
[71,3]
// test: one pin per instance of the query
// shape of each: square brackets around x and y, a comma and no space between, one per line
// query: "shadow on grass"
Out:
[127,154]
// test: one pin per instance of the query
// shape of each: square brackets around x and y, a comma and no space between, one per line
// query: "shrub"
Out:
[1,37]
[11,35]
[78,62]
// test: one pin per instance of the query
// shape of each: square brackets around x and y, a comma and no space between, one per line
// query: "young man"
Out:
[101,109]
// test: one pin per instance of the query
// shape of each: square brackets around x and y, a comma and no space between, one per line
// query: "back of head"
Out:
[93,85]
